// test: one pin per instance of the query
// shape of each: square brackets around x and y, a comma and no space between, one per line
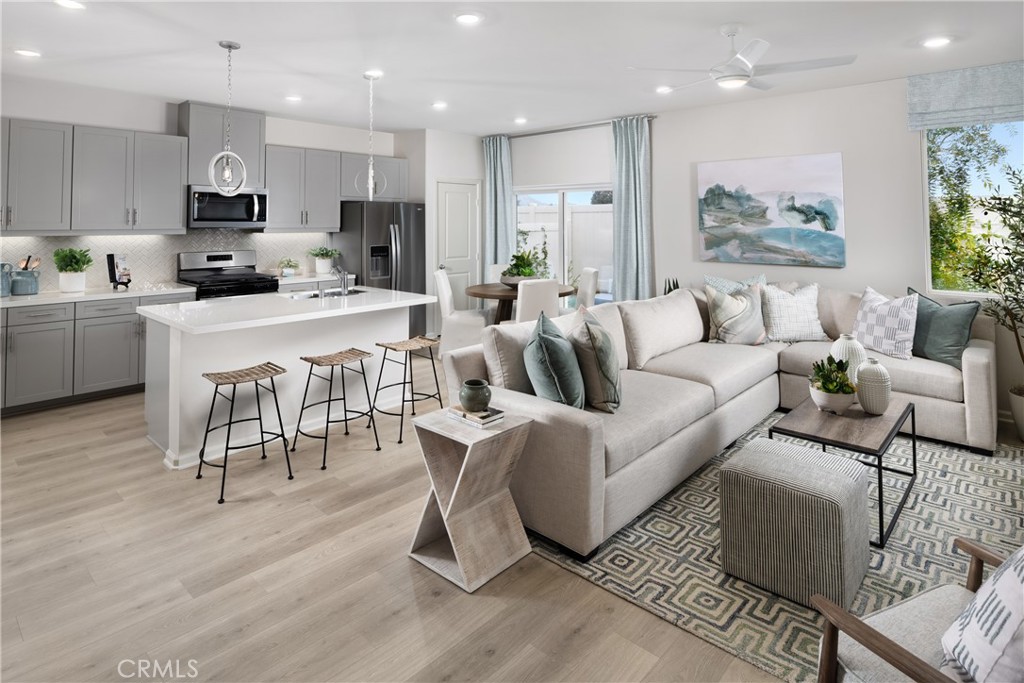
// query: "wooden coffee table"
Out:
[855,430]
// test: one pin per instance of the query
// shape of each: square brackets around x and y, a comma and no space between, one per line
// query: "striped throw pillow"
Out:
[792,316]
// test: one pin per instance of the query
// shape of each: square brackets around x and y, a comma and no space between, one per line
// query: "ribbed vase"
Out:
[874,388]
[849,349]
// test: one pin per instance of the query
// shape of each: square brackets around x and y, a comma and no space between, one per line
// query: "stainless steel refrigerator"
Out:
[384,244]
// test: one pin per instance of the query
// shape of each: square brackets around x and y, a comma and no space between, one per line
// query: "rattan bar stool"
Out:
[255,374]
[407,347]
[334,360]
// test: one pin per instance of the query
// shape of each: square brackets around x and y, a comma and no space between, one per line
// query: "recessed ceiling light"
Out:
[936,42]
[520,121]
[439,105]
[28,53]
[663,89]
[373,74]
[70,4]
[293,98]
[469,18]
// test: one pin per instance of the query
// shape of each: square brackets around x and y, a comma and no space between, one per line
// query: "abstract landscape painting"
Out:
[778,210]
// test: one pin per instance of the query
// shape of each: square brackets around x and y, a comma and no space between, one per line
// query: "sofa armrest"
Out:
[558,484]
[979,374]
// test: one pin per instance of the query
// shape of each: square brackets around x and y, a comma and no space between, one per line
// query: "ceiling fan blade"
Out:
[654,68]
[806,65]
[689,85]
[758,84]
[752,52]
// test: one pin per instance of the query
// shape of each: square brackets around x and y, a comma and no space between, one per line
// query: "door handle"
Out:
[255,208]
[441,267]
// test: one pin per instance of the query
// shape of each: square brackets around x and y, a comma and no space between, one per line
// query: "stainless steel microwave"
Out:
[209,209]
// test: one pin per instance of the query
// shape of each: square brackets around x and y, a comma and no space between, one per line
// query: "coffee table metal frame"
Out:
[849,444]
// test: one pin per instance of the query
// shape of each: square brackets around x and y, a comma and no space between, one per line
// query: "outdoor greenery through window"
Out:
[576,225]
[966,165]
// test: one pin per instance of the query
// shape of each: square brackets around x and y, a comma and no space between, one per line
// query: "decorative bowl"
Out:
[832,403]
[514,280]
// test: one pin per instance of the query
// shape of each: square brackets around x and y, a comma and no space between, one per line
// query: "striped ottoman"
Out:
[795,521]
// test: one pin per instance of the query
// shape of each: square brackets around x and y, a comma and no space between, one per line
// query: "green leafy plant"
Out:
[324,252]
[998,267]
[829,375]
[671,284]
[528,262]
[71,260]
[287,263]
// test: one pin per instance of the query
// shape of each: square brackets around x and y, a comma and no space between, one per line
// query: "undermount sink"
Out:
[325,293]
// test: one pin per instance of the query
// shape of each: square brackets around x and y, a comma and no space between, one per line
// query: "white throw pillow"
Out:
[792,316]
[886,325]
[987,639]
[659,325]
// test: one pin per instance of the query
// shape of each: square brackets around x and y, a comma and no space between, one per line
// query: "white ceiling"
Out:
[554,63]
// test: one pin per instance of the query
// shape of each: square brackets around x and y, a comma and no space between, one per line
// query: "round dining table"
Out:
[505,295]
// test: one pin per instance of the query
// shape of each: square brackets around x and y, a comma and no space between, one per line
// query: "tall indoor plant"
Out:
[71,266]
[998,266]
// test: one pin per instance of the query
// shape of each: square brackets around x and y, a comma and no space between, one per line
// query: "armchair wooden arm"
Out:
[837,619]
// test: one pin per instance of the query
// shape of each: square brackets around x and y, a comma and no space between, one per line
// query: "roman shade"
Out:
[966,97]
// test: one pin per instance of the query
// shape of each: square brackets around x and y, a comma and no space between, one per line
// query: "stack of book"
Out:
[480,419]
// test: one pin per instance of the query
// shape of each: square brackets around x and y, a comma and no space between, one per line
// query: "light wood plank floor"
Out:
[107,556]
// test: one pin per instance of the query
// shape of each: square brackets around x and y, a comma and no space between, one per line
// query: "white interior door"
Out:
[458,239]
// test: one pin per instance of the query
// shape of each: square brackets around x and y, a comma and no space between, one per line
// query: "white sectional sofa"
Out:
[584,474]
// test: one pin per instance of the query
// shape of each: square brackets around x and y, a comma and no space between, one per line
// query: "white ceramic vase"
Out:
[1017,408]
[323,265]
[832,403]
[874,388]
[849,349]
[71,282]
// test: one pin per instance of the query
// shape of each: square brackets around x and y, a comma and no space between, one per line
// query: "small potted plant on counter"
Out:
[831,388]
[324,258]
[71,266]
[288,267]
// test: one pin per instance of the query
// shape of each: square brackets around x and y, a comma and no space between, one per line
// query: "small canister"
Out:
[5,278]
[24,282]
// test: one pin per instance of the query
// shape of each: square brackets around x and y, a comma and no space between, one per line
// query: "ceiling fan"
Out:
[743,67]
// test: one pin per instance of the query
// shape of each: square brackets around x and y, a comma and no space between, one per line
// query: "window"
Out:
[577,227]
[963,165]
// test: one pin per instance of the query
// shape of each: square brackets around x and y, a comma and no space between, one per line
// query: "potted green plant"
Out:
[71,266]
[831,388]
[324,258]
[288,266]
[998,267]
[527,263]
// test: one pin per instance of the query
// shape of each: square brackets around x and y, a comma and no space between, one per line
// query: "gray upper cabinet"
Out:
[303,189]
[204,125]
[38,197]
[126,181]
[390,175]
[5,142]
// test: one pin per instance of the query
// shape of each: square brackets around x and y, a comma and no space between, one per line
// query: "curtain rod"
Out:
[582,126]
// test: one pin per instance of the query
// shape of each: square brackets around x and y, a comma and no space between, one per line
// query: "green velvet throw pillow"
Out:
[942,332]
[552,366]
[599,361]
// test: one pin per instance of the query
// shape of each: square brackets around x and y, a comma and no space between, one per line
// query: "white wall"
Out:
[322,136]
[574,158]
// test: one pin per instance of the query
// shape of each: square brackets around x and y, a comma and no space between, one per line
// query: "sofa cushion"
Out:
[503,352]
[792,316]
[729,369]
[656,326]
[837,310]
[886,325]
[654,408]
[917,376]
[736,317]
[611,320]
[598,361]
[942,332]
[552,366]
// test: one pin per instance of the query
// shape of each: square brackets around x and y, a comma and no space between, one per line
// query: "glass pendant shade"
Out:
[371,186]
[227,170]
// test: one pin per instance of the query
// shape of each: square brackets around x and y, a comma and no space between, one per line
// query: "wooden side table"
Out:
[470,529]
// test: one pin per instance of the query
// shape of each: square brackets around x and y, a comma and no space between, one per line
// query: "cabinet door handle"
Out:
[9,216]
[10,342]
[128,216]
[107,308]
[39,315]
[135,216]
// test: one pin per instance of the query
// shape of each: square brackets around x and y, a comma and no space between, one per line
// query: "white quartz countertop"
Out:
[260,310]
[135,290]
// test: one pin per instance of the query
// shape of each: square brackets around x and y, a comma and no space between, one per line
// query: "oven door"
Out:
[210,209]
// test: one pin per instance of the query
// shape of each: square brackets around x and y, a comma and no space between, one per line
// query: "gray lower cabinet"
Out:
[38,193]
[106,345]
[304,185]
[39,354]
[205,124]
[390,176]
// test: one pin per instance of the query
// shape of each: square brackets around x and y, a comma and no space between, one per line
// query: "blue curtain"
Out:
[499,201]
[633,235]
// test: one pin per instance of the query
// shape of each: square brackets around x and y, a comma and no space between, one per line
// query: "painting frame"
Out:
[786,210]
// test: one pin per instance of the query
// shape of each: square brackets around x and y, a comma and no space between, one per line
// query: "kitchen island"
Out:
[214,335]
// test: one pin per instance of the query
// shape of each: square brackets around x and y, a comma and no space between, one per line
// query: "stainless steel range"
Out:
[223,273]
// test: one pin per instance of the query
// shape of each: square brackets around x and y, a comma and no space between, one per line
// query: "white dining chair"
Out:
[536,296]
[586,288]
[458,328]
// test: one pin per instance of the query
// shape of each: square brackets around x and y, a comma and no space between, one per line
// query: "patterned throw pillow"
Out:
[987,639]
[552,366]
[792,316]
[737,316]
[727,286]
[599,361]
[886,325]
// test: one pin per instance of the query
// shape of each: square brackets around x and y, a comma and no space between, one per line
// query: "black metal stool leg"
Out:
[401,417]
[380,375]
[327,424]
[206,435]
[412,385]
[437,384]
[305,393]
[344,398]
[366,386]
[227,444]
[259,416]
[280,424]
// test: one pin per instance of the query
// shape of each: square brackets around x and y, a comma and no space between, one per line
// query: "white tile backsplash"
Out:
[152,258]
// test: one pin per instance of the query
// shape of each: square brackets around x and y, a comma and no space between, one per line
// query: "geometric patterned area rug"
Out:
[666,560]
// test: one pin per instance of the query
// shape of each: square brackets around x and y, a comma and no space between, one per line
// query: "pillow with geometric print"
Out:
[886,325]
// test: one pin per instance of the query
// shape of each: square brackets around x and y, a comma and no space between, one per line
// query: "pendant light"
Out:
[227,170]
[371,76]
